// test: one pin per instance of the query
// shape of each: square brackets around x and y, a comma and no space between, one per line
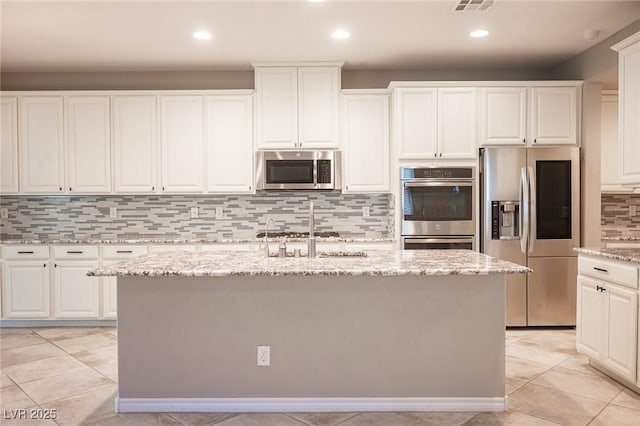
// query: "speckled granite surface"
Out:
[624,254]
[626,237]
[396,262]
[177,240]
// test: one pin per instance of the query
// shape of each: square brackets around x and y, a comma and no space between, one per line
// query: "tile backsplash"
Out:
[47,217]
[615,219]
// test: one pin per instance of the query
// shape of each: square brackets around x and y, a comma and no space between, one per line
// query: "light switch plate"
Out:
[219,213]
[113,212]
[194,212]
[366,211]
[4,213]
[632,210]
[264,356]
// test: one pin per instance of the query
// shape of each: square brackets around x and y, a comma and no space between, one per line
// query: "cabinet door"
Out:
[621,340]
[629,80]
[109,294]
[553,117]
[609,141]
[181,138]
[25,290]
[590,318]
[277,107]
[75,294]
[9,145]
[457,123]
[134,143]
[416,123]
[88,144]
[366,143]
[318,90]
[229,143]
[40,144]
[503,119]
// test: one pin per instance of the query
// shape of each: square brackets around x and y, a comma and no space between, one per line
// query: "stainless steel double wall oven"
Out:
[438,207]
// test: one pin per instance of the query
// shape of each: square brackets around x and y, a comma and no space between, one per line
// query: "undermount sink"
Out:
[343,254]
[330,254]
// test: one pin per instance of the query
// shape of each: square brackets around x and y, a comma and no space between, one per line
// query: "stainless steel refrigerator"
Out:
[531,215]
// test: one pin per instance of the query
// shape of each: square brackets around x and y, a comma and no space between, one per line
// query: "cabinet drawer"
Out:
[75,252]
[123,252]
[30,252]
[172,247]
[223,247]
[620,273]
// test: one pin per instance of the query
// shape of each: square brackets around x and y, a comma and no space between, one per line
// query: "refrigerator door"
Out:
[552,291]
[555,201]
[501,182]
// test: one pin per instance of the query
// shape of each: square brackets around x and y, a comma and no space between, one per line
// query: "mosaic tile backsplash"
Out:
[50,217]
[615,219]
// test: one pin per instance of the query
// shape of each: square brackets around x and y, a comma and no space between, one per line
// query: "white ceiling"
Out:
[145,35]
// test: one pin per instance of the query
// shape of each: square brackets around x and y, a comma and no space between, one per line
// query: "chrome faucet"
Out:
[266,235]
[311,243]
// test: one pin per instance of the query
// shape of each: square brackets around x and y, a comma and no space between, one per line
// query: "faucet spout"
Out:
[266,235]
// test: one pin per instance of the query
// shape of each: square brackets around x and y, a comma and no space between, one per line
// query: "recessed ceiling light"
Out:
[340,34]
[479,33]
[202,35]
[590,34]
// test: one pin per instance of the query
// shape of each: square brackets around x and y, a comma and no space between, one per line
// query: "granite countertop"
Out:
[628,237]
[623,254]
[182,240]
[391,263]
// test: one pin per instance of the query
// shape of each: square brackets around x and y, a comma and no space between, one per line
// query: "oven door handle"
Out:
[439,183]
[438,240]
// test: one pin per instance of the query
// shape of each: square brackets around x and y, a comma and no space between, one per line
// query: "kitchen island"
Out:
[395,330]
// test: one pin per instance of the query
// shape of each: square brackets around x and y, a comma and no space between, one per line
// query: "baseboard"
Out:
[283,405]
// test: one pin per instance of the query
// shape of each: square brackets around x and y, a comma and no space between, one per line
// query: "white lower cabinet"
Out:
[25,290]
[75,295]
[111,255]
[607,320]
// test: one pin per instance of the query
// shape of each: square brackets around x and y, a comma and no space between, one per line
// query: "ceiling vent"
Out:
[473,5]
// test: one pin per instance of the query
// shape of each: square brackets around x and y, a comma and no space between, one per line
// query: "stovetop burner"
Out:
[298,234]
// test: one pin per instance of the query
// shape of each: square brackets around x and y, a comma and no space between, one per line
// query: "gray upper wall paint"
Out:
[596,60]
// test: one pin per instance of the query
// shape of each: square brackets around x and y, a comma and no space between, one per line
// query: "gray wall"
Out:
[595,61]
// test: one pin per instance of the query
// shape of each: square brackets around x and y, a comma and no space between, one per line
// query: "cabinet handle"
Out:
[535,140]
[163,188]
[124,251]
[435,154]
[601,270]
[603,289]
[153,188]
[440,155]
[249,187]
[524,140]
[25,252]
[74,252]
[70,189]
[55,265]
[44,265]
[60,188]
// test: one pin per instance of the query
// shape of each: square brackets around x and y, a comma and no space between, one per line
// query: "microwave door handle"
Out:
[524,210]
[532,207]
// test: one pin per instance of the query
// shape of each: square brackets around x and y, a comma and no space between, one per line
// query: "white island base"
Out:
[337,342]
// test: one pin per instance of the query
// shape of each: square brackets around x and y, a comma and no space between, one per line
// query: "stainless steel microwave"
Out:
[298,170]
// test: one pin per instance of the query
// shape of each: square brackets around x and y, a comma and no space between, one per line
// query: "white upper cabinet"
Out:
[366,142]
[435,123]
[318,107]
[609,142]
[457,122]
[629,101]
[531,116]
[416,122]
[553,118]
[41,144]
[181,138]
[229,143]
[88,144]
[8,145]
[297,107]
[134,143]
[503,113]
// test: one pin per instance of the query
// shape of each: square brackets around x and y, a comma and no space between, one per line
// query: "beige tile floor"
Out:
[74,371]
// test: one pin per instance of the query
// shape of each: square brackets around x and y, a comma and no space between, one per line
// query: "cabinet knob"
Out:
[535,140]
[249,187]
[60,188]
[435,154]
[524,140]
[163,188]
[44,265]
[55,265]
[153,188]
[70,189]
[440,155]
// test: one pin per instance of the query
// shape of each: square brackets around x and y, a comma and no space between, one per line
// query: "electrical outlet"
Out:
[219,213]
[632,210]
[113,212]
[264,356]
[194,212]
[4,213]
[366,211]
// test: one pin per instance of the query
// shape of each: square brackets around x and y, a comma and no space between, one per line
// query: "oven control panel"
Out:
[324,171]
[437,173]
